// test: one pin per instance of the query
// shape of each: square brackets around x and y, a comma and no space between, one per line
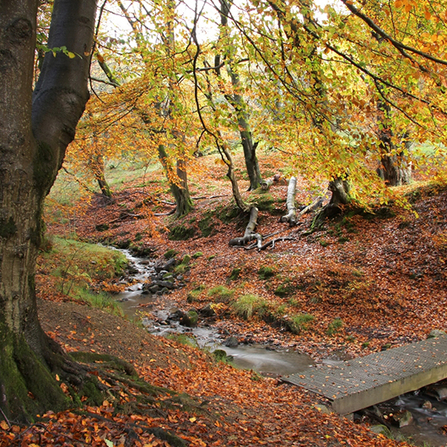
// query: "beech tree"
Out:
[35,129]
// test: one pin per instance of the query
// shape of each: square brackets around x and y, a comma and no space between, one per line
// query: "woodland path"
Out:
[369,380]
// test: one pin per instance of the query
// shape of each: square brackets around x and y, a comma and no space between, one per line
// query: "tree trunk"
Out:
[96,162]
[240,107]
[34,134]
[178,183]
[251,160]
[340,197]
[395,169]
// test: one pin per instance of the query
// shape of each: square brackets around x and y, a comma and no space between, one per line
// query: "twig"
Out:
[6,419]
[205,197]
[166,214]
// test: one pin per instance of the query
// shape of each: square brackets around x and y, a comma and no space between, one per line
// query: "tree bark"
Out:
[290,217]
[34,133]
[395,169]
[249,233]
[240,107]
[178,182]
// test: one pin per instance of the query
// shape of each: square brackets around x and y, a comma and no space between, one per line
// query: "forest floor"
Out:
[368,281]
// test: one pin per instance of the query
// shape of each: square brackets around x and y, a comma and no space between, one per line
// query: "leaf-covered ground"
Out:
[214,403]
[369,280]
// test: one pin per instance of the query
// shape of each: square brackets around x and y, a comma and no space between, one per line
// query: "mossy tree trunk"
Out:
[238,103]
[339,187]
[178,182]
[35,130]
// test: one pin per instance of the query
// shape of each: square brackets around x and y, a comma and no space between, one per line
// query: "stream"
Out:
[261,359]
[428,427]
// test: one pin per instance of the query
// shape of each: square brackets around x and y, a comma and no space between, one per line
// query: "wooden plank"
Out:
[366,381]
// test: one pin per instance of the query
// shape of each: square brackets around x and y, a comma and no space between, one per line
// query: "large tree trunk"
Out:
[34,134]
[395,168]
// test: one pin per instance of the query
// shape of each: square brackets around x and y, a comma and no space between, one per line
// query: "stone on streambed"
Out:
[207,311]
[189,319]
[403,418]
[161,283]
[231,342]
[167,266]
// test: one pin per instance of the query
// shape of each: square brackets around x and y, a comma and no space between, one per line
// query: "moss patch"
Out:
[181,233]
[206,226]
[221,294]
[266,272]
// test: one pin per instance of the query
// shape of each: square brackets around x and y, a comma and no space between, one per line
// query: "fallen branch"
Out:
[209,198]
[290,217]
[249,234]
[278,239]
[317,203]
[169,213]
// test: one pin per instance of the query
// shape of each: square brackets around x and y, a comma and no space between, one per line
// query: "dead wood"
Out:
[249,234]
[290,217]
[271,242]
[317,203]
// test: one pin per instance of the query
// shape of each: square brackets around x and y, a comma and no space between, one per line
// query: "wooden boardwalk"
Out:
[366,381]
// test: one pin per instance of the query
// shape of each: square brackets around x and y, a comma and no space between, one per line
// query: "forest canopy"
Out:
[341,91]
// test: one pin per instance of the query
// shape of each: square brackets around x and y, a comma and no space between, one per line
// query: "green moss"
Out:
[197,255]
[266,272]
[206,226]
[102,227]
[334,326]
[221,356]
[235,274]
[90,390]
[194,294]
[170,254]
[264,201]
[106,361]
[184,265]
[8,228]
[181,233]
[221,294]
[248,305]
[300,323]
[184,340]
[27,385]
[227,215]
[284,289]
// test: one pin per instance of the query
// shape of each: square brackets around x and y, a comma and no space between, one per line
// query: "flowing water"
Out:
[426,429]
[429,426]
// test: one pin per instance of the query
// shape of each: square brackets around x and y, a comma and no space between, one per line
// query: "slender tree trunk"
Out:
[249,147]
[34,134]
[395,169]
[97,166]
[240,107]
[101,178]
